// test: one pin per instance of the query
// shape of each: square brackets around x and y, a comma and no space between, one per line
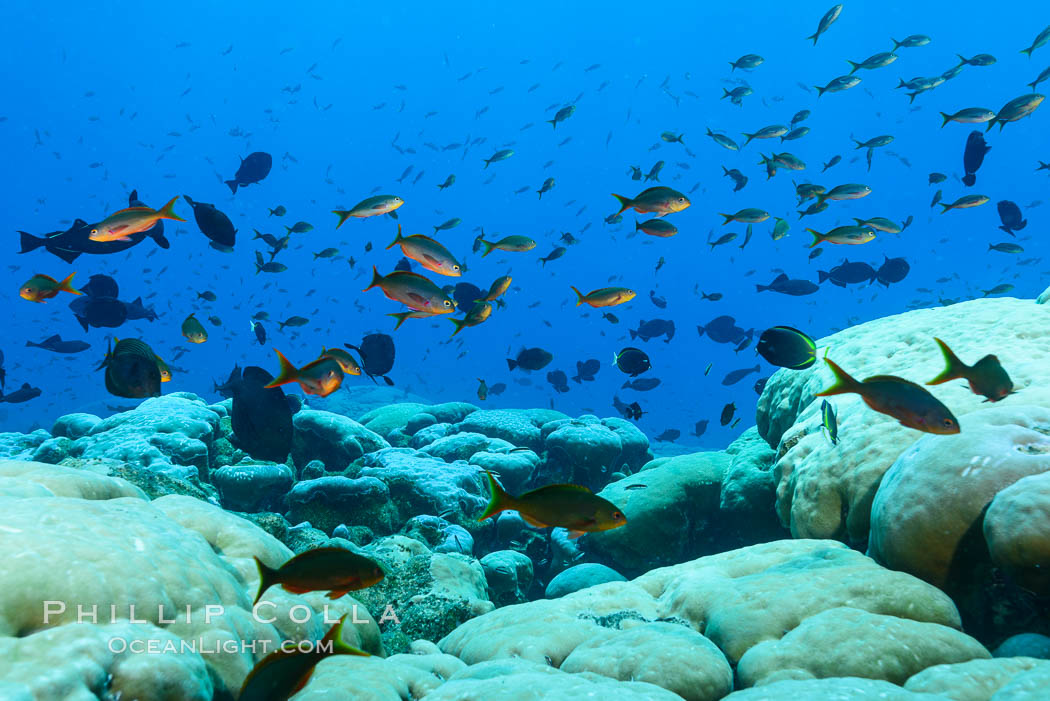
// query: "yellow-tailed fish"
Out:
[479,313]
[370,207]
[43,287]
[557,505]
[604,297]
[321,377]
[496,290]
[428,253]
[512,244]
[413,290]
[657,200]
[119,226]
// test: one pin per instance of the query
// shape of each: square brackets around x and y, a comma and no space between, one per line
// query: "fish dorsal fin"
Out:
[889,378]
[781,278]
[133,196]
[79,224]
[56,337]
[407,273]
[554,488]
[135,209]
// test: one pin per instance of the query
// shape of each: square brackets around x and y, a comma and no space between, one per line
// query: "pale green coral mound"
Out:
[936,492]
[81,661]
[848,642]
[1016,528]
[834,689]
[825,491]
[518,680]
[103,545]
[737,600]
[977,680]
[667,518]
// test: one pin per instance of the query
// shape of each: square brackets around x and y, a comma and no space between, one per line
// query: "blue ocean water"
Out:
[103,100]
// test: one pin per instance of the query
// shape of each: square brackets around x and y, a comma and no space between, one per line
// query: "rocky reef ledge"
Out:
[741,575]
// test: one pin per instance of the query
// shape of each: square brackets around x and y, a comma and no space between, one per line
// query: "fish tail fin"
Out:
[343,215]
[266,579]
[625,203]
[725,94]
[400,316]
[954,368]
[817,237]
[168,211]
[67,285]
[335,637]
[579,296]
[947,118]
[946,207]
[30,242]
[749,137]
[813,36]
[896,44]
[376,279]
[511,363]
[844,384]
[499,501]
[398,238]
[552,122]
[822,276]
[288,372]
[1027,52]
[820,90]
[232,184]
[729,218]
[962,60]
[489,247]
[854,68]
[460,324]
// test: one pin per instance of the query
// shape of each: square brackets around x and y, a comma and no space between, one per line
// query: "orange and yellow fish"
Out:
[43,287]
[560,505]
[321,377]
[413,290]
[119,226]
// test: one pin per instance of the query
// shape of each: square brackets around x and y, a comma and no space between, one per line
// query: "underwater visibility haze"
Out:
[690,351]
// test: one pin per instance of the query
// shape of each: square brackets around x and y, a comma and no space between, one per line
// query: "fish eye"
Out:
[617,516]
[447,303]
[94,231]
[455,267]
